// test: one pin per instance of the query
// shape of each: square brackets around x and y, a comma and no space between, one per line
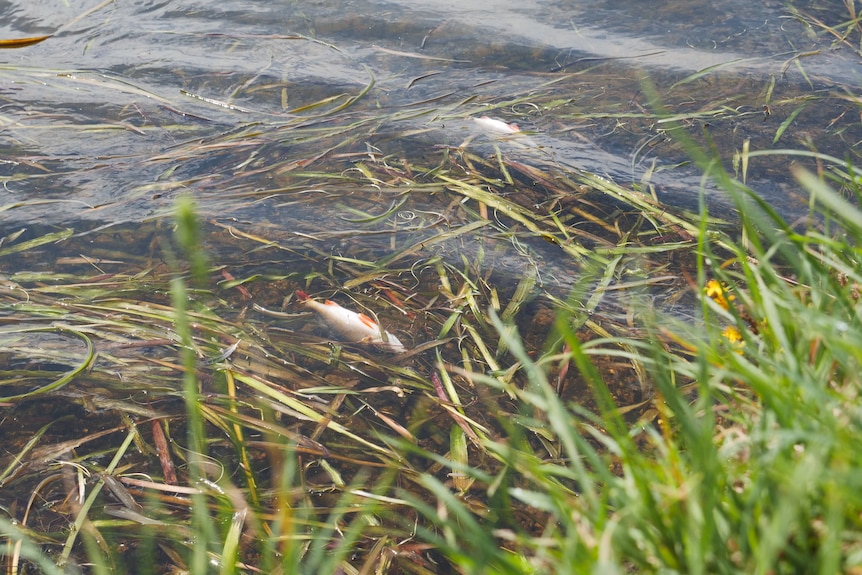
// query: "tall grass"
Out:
[744,458]
[749,460]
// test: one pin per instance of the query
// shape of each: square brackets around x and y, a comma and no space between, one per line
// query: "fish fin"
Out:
[368,321]
[332,303]
[302,296]
[515,127]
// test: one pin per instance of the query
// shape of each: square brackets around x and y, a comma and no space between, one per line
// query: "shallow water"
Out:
[309,127]
[88,113]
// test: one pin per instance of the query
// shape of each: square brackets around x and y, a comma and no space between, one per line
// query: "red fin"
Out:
[368,321]
[515,127]
[330,302]
[302,296]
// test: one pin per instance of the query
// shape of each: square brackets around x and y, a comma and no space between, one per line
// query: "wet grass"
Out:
[225,429]
[594,380]
[307,452]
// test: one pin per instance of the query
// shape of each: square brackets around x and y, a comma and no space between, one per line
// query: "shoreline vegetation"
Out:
[680,395]
[471,453]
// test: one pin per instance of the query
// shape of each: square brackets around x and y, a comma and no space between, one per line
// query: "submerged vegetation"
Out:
[592,379]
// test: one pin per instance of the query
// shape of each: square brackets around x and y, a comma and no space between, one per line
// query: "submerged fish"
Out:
[498,126]
[352,326]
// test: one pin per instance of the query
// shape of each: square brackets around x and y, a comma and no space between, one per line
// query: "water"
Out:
[88,112]
[314,126]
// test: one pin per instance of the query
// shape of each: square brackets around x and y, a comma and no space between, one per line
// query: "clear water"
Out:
[91,116]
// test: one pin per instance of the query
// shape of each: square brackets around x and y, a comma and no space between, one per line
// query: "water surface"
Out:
[89,113]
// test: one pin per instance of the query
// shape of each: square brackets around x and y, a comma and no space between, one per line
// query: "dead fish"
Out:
[352,326]
[497,126]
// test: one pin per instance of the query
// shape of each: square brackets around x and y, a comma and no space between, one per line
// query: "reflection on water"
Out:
[115,88]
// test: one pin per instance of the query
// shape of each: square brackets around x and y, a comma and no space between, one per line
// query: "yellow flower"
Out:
[732,334]
[718,294]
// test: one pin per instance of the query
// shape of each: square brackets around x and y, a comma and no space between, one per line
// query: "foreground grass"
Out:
[743,457]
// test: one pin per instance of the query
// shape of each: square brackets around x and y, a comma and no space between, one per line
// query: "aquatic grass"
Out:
[119,320]
[199,138]
[551,471]
[842,32]
[260,375]
[618,439]
[22,377]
